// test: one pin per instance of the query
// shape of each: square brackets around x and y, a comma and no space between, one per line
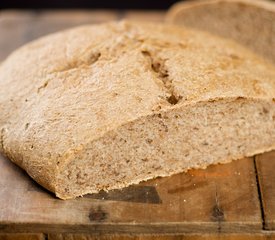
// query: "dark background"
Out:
[109,4]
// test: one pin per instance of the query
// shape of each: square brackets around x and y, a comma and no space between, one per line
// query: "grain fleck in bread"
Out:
[249,22]
[104,106]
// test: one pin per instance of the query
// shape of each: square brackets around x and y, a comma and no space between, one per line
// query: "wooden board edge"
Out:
[23,236]
[161,228]
[215,236]
[268,224]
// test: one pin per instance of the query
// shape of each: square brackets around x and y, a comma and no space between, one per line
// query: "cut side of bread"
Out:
[191,136]
[249,22]
[101,107]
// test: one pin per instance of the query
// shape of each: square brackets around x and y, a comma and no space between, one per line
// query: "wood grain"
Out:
[262,236]
[265,168]
[23,236]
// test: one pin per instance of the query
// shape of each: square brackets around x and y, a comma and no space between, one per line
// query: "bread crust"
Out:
[73,87]
[249,22]
[182,6]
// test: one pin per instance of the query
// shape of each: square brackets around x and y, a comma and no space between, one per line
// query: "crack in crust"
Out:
[158,66]
[85,60]
[2,139]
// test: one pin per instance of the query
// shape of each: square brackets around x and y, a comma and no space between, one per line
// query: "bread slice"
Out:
[249,22]
[105,106]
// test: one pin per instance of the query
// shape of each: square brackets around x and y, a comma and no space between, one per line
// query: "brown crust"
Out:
[249,22]
[78,84]
[179,7]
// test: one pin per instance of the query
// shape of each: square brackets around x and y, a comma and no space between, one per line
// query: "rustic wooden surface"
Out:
[221,200]
[258,236]
[262,236]
[266,176]
[25,236]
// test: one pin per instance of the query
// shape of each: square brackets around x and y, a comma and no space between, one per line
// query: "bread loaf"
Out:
[249,22]
[101,107]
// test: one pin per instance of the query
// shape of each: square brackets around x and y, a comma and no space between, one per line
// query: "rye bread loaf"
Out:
[249,22]
[105,106]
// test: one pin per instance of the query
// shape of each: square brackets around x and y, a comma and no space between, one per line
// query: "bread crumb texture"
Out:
[105,106]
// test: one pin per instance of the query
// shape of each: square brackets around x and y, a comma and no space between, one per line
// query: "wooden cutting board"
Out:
[233,201]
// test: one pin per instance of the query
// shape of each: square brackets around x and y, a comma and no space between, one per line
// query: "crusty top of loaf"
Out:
[69,88]
[264,4]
